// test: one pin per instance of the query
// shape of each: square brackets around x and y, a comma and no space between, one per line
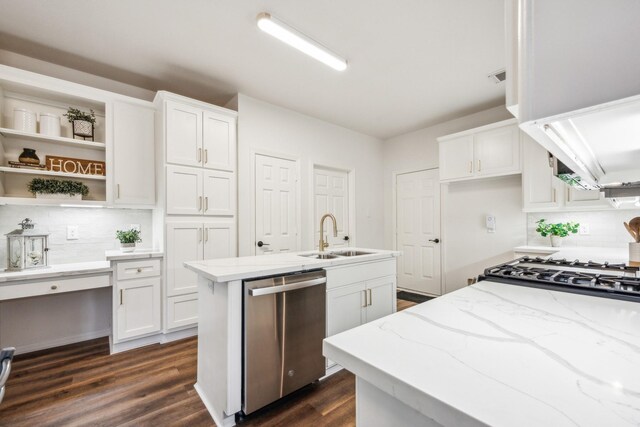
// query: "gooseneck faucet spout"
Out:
[322,245]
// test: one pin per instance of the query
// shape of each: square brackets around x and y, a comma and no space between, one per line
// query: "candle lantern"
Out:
[27,248]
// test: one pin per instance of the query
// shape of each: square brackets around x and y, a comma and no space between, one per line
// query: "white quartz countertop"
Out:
[60,270]
[240,268]
[596,254]
[504,355]
[117,255]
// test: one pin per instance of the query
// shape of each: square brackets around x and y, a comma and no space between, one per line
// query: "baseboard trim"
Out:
[225,422]
[178,335]
[62,341]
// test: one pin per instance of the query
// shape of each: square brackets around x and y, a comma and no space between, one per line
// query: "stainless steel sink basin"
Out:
[321,256]
[352,253]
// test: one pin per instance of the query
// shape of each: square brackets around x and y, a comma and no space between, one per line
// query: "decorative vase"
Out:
[556,241]
[634,252]
[127,247]
[29,156]
[49,124]
[24,120]
[83,129]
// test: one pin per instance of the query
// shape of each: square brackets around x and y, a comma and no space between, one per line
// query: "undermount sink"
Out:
[321,256]
[352,253]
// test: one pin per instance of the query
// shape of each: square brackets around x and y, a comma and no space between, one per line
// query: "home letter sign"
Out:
[70,165]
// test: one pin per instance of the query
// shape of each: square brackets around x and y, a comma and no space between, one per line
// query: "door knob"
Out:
[436,240]
[345,238]
[261,244]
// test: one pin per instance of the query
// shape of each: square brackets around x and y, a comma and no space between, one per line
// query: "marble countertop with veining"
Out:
[240,268]
[504,355]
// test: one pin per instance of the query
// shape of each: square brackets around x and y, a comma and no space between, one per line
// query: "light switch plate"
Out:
[491,224]
[72,232]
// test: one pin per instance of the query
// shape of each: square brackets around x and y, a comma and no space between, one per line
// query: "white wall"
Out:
[467,204]
[266,127]
[606,228]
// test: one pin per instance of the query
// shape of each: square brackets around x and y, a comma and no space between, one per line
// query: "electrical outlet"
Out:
[72,232]
[584,229]
[134,227]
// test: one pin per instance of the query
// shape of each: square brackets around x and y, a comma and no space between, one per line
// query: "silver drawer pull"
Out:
[293,286]
[139,270]
[54,287]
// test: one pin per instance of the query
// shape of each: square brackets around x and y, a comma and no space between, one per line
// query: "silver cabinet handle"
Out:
[206,234]
[471,166]
[206,156]
[199,155]
[121,297]
[278,289]
[554,195]
[54,287]
[199,203]
[139,270]
[117,191]
[206,204]
[200,235]
[479,165]
[370,297]
[365,298]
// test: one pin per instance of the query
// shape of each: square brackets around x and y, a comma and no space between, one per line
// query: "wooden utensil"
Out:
[635,226]
[631,231]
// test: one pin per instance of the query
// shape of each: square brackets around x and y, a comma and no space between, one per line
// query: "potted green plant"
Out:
[556,231]
[82,122]
[128,239]
[57,189]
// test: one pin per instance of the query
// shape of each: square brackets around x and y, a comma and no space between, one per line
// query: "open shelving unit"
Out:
[60,140]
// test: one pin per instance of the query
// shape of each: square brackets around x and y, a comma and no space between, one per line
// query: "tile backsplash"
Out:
[606,228]
[96,227]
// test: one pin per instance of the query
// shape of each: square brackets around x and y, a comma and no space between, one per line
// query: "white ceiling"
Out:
[412,63]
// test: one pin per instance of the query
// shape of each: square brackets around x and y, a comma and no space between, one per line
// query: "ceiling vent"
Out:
[498,76]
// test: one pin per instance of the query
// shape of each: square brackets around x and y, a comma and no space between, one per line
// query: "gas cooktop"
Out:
[600,279]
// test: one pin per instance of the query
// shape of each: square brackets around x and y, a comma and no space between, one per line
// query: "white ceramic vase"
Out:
[634,252]
[127,247]
[556,241]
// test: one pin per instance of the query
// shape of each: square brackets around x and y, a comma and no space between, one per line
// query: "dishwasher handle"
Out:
[268,290]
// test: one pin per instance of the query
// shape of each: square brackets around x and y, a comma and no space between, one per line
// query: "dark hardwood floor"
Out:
[82,385]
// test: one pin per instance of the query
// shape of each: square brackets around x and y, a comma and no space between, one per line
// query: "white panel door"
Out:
[139,310]
[219,240]
[219,193]
[331,195]
[184,243]
[382,297]
[184,191]
[133,165]
[276,205]
[456,158]
[219,141]
[418,231]
[184,134]
[497,151]
[540,188]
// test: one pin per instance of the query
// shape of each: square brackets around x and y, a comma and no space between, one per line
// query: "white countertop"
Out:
[59,270]
[117,255]
[504,355]
[228,269]
[583,253]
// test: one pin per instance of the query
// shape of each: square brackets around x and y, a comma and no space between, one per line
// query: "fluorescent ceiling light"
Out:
[296,39]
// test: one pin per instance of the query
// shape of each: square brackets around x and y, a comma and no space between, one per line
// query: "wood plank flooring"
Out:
[82,385]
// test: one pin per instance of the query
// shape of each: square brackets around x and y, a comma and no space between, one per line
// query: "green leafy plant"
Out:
[128,236]
[76,114]
[55,186]
[559,229]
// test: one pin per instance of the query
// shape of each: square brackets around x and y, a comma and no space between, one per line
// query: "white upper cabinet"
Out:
[184,134]
[219,141]
[219,193]
[491,150]
[134,178]
[184,191]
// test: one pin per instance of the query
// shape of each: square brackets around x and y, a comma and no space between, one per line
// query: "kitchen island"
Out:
[499,355]
[364,285]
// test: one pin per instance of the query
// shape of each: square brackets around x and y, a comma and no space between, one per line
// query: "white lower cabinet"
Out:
[182,311]
[382,297]
[138,310]
[345,308]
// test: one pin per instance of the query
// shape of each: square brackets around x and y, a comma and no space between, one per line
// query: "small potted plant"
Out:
[82,122]
[556,231]
[128,239]
[57,189]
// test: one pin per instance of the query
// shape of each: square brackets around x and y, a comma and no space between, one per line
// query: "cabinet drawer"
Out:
[340,276]
[51,286]
[138,269]
[182,311]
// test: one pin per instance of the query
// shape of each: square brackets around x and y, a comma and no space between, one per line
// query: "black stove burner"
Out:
[603,279]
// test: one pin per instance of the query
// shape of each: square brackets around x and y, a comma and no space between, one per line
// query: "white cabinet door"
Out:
[456,158]
[497,151]
[541,189]
[183,134]
[382,297]
[182,311]
[138,312]
[184,191]
[219,240]
[219,193]
[345,308]
[577,198]
[219,141]
[184,243]
[133,155]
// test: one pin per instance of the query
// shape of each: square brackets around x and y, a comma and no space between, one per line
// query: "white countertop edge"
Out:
[60,270]
[303,264]
[117,255]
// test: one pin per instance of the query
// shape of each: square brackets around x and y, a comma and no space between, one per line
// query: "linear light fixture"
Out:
[296,39]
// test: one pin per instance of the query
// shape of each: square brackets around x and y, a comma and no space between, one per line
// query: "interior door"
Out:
[184,243]
[331,195]
[184,134]
[276,205]
[418,231]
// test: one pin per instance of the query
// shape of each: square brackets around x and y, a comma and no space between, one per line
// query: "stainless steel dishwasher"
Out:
[284,325]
